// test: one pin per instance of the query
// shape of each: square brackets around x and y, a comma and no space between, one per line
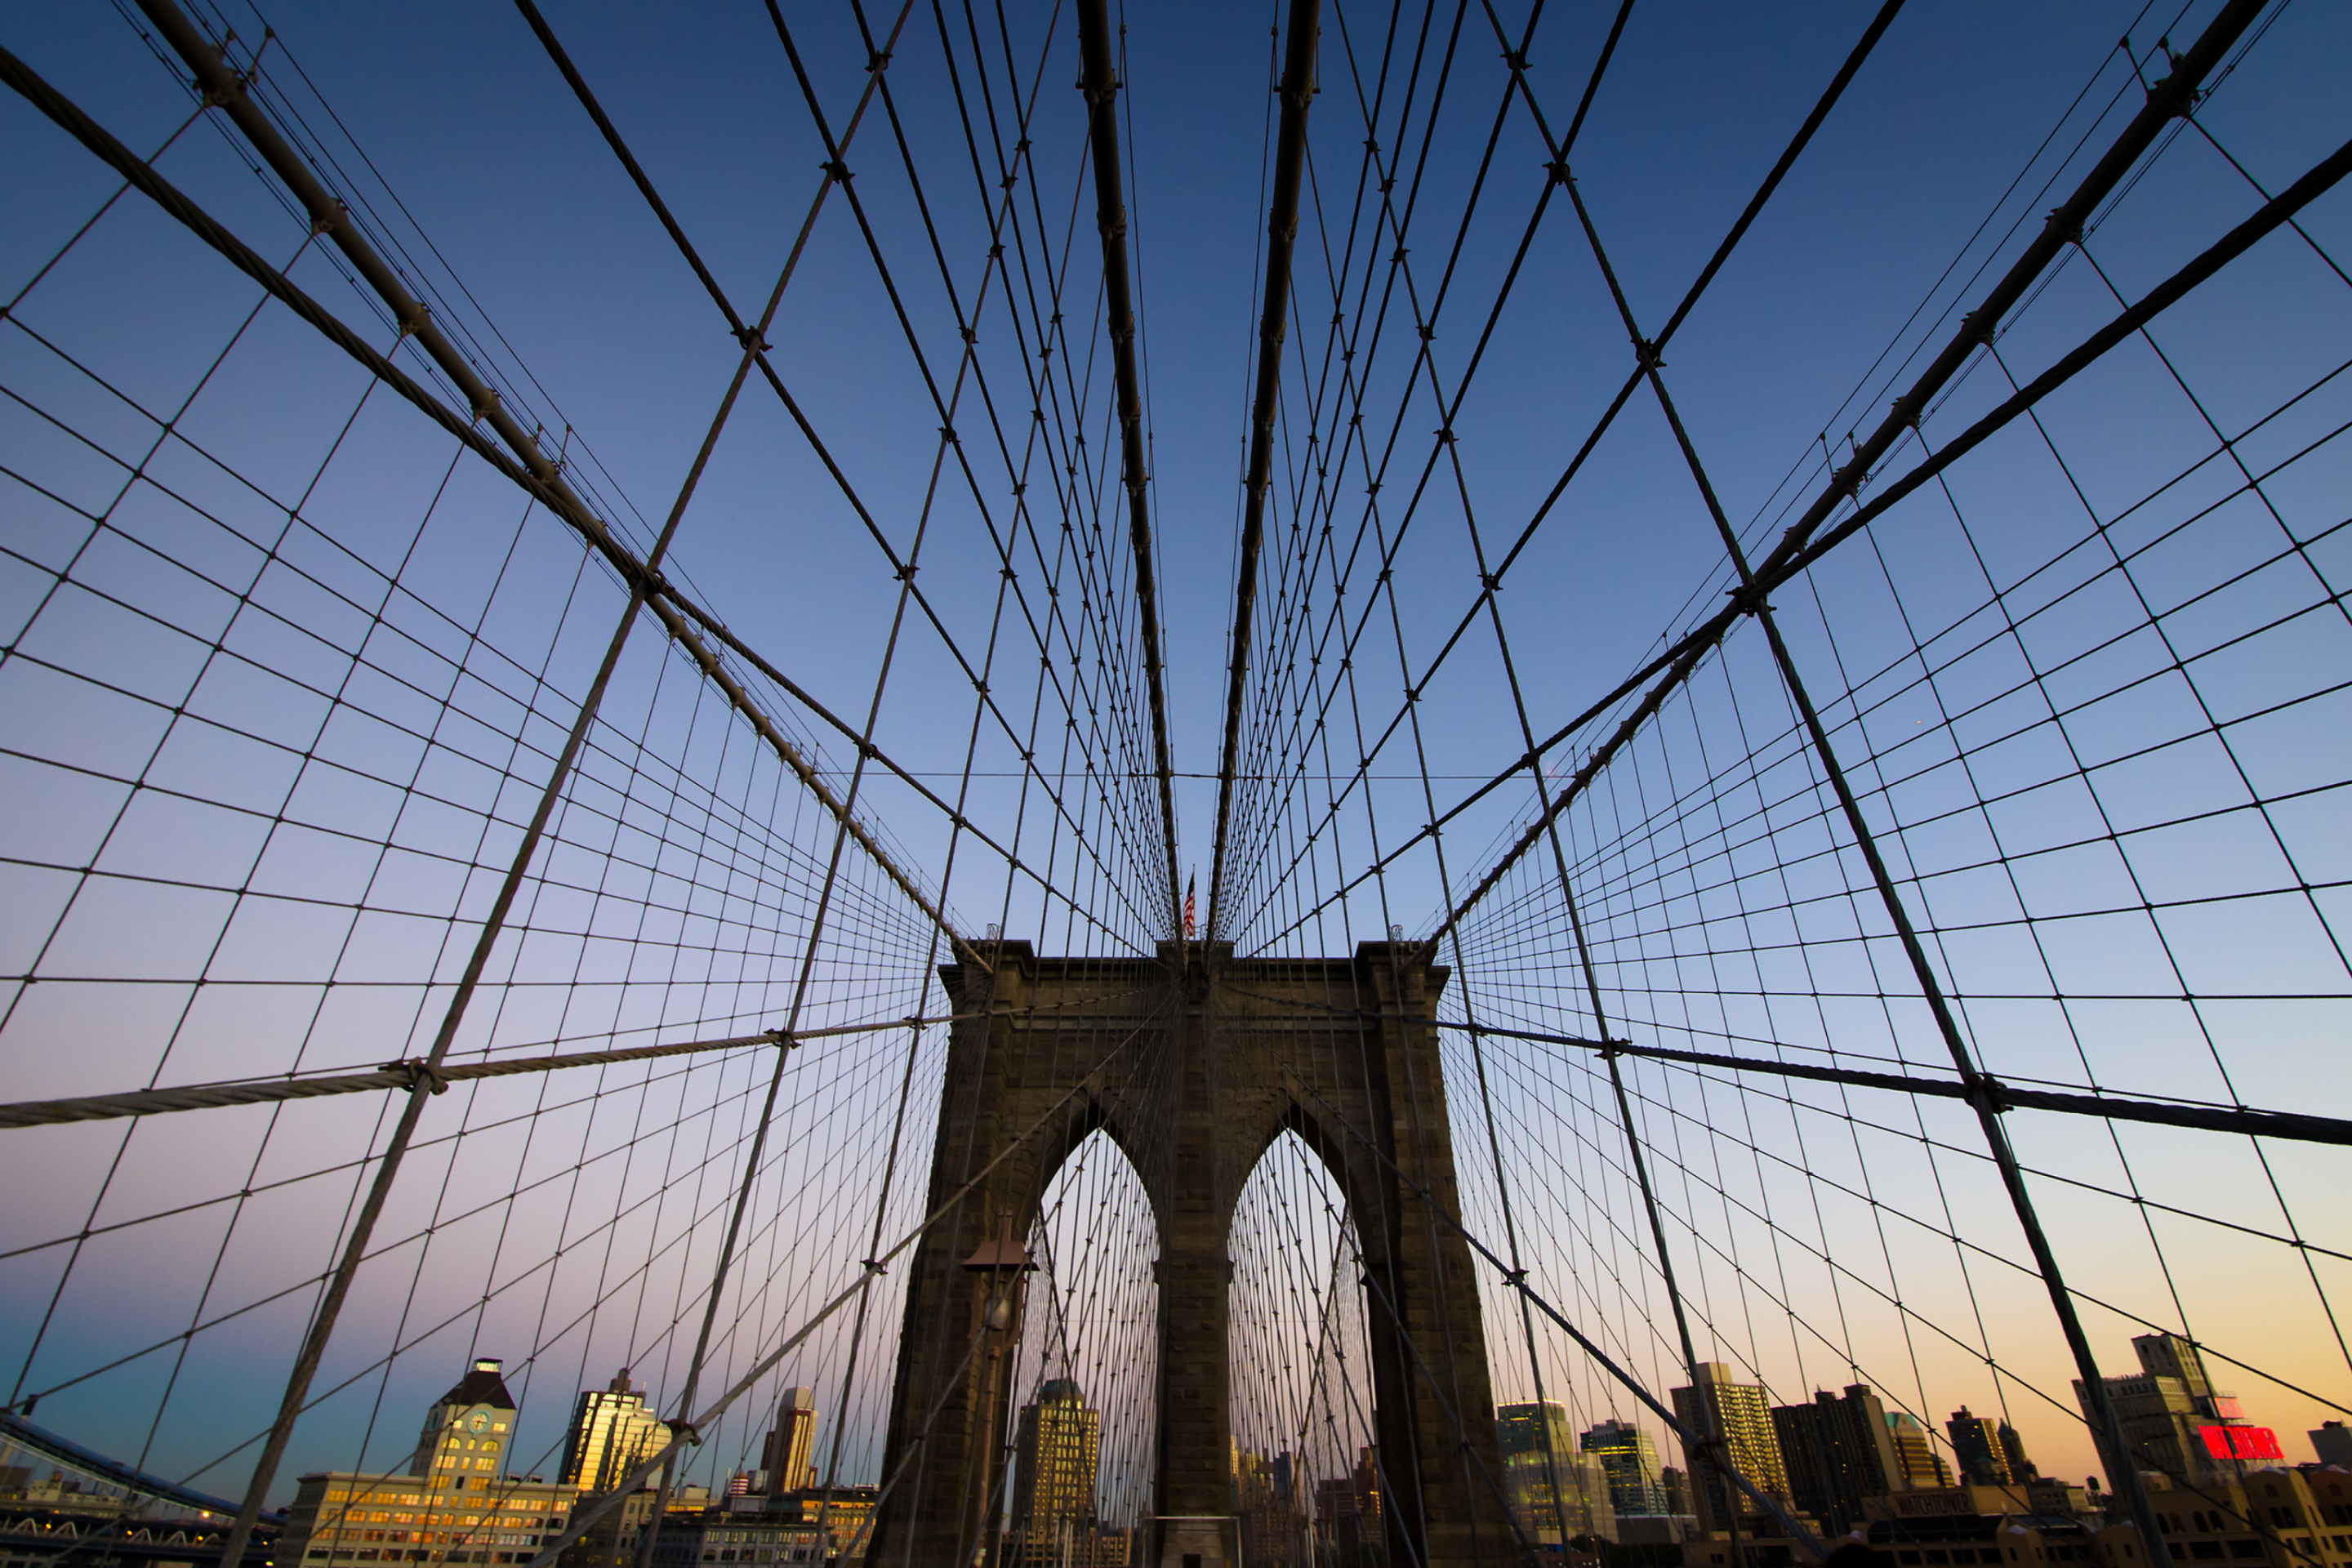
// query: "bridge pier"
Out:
[1194,1062]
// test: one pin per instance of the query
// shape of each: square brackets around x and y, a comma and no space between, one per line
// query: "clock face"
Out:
[480,1423]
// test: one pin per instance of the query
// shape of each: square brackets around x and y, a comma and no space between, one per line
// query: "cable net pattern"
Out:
[434,930]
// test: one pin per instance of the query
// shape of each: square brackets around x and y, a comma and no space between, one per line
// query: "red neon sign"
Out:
[2241,1442]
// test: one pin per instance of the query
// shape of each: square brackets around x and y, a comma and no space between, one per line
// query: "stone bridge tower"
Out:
[1194,1063]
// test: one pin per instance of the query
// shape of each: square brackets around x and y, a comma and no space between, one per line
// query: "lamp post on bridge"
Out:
[999,1270]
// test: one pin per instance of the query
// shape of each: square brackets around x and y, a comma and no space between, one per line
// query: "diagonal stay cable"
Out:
[754,342]
[1801,549]
[1557,172]
[531,471]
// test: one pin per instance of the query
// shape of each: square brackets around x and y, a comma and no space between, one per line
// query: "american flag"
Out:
[1188,905]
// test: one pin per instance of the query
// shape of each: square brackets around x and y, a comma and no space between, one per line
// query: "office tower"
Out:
[1627,1457]
[1556,1493]
[789,1454]
[2175,1422]
[1054,1466]
[1838,1451]
[2012,1448]
[1740,1417]
[1916,1459]
[612,1434]
[1348,1510]
[1677,1487]
[1976,1448]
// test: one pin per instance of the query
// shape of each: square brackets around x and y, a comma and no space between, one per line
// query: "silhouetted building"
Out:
[1628,1458]
[2332,1441]
[1054,1464]
[789,1456]
[2012,1448]
[1838,1451]
[1348,1510]
[1678,1491]
[1265,1502]
[1976,1449]
[1739,1416]
[2174,1423]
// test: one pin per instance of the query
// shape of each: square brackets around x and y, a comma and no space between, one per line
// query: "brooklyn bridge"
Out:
[1001,785]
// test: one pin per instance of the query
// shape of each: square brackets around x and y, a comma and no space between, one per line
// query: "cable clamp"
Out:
[416,1073]
[1987,1096]
[2173,95]
[752,343]
[835,169]
[873,1266]
[1645,353]
[682,1427]
[784,1037]
[1557,170]
[328,223]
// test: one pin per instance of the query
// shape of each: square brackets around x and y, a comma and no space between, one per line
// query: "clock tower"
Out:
[467,1431]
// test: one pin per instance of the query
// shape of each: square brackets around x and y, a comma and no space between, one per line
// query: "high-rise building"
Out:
[1265,1502]
[456,1504]
[1739,1416]
[2174,1423]
[2012,1447]
[612,1434]
[1556,1493]
[1976,1448]
[1054,1464]
[1678,1491]
[1348,1512]
[1839,1451]
[1916,1459]
[789,1456]
[1629,1460]
[2332,1441]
